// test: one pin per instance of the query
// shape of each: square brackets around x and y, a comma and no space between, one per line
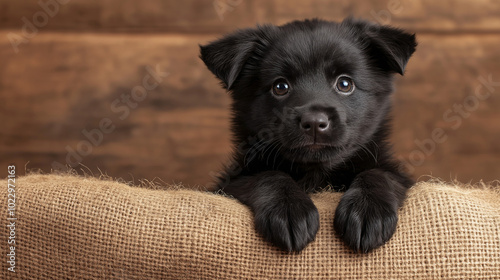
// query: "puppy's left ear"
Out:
[227,56]
[391,48]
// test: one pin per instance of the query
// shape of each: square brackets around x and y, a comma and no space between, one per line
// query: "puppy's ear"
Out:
[390,47]
[225,57]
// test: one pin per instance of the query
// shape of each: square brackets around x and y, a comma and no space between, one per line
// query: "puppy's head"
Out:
[320,90]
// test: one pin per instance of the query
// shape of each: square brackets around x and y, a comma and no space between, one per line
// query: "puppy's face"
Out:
[317,90]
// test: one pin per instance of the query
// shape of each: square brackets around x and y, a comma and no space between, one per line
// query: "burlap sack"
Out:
[83,228]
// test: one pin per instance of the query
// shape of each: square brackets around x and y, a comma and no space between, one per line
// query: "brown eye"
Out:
[344,85]
[280,87]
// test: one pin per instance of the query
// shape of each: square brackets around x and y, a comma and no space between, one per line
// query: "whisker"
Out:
[276,154]
[276,144]
[268,148]
[254,149]
[367,151]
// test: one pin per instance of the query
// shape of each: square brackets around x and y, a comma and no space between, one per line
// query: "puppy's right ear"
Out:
[225,57]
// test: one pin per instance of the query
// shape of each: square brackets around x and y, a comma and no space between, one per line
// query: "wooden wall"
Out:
[75,59]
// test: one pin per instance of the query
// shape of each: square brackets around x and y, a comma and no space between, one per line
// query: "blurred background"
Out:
[116,86]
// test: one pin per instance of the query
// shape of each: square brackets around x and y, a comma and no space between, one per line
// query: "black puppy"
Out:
[311,103]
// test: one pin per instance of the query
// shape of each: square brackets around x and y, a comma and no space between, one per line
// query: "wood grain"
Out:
[61,84]
[194,16]
[442,78]
[65,84]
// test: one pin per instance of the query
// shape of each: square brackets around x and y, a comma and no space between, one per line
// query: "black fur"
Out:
[314,135]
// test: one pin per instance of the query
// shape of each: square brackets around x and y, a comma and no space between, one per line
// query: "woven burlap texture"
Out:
[83,228]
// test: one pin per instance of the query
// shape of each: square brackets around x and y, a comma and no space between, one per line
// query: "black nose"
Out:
[314,123]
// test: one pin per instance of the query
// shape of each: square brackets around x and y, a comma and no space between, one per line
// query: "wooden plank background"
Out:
[65,77]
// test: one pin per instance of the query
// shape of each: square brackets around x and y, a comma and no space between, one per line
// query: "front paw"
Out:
[365,220]
[289,224]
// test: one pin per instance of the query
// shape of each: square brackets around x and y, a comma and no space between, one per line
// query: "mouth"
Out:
[314,150]
[316,146]
[313,153]
[313,146]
